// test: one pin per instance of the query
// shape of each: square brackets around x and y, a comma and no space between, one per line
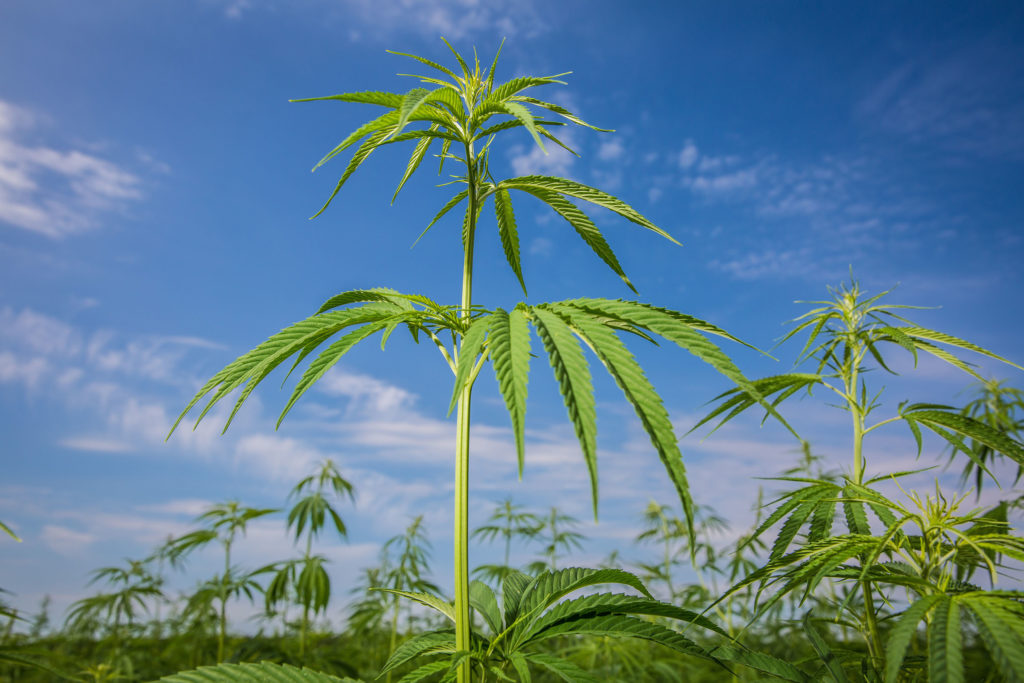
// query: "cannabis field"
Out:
[896,558]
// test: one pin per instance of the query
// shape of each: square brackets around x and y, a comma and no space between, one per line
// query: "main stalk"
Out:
[461,535]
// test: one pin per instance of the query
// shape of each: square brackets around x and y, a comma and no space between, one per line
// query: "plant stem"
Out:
[305,603]
[858,414]
[461,535]
[221,636]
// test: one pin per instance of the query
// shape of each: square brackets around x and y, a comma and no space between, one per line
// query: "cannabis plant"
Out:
[507,521]
[223,524]
[462,113]
[305,577]
[917,557]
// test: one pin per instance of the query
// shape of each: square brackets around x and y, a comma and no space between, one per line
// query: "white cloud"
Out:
[728,182]
[276,458]
[39,333]
[366,394]
[611,150]
[541,246]
[654,194]
[65,541]
[533,160]
[454,19]
[688,155]
[98,444]
[55,192]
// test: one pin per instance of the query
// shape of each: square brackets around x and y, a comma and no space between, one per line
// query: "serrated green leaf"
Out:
[638,391]
[586,193]
[361,154]
[418,153]
[508,232]
[832,664]
[430,642]
[327,360]
[509,349]
[483,600]
[564,669]
[583,226]
[945,647]
[264,672]
[973,429]
[384,99]
[471,346]
[573,375]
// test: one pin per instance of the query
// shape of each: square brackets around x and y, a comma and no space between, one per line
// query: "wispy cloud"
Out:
[967,100]
[55,192]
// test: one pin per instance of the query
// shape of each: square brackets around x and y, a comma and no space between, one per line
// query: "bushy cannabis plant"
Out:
[909,561]
[462,113]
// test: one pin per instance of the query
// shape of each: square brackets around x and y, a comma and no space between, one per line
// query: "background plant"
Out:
[927,550]
[224,522]
[306,577]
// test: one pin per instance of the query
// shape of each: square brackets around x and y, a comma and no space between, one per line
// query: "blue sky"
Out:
[154,196]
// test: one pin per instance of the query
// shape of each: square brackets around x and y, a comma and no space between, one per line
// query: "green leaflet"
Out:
[834,667]
[583,226]
[509,233]
[472,344]
[615,603]
[252,367]
[509,348]
[384,99]
[945,647]
[423,672]
[971,428]
[565,670]
[361,154]
[950,340]
[266,672]
[524,116]
[327,360]
[414,161]
[429,642]
[573,375]
[410,103]
[903,633]
[561,111]
[586,193]
[618,625]
[483,600]
[997,631]
[426,599]
[385,120]
[639,392]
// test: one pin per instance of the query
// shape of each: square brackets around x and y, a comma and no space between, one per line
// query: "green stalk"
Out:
[224,601]
[394,633]
[305,604]
[461,535]
[874,637]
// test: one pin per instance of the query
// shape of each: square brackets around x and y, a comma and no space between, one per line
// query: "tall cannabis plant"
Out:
[461,114]
[923,553]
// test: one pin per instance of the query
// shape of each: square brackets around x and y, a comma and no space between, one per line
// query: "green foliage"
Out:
[306,577]
[532,612]
[927,550]
[264,672]
[1001,408]
[507,521]
[223,523]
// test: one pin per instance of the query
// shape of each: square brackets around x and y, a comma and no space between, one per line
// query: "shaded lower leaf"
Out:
[264,672]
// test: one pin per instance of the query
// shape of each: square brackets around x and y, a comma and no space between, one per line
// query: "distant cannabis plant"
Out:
[927,551]
[463,113]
